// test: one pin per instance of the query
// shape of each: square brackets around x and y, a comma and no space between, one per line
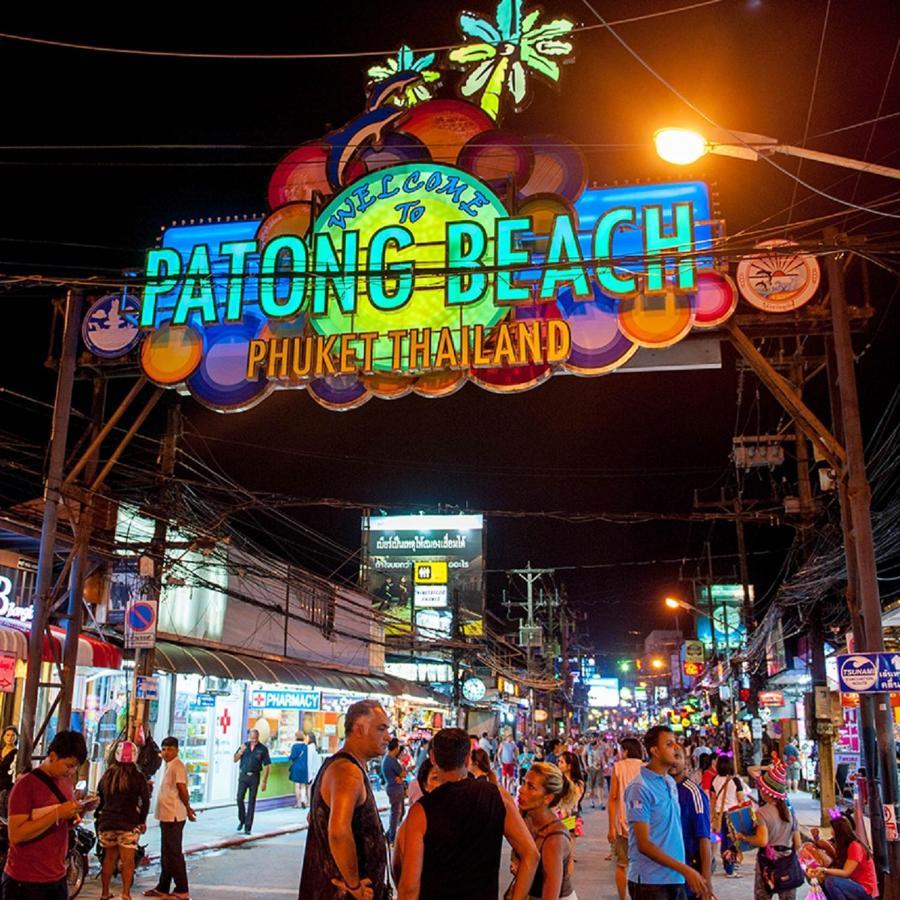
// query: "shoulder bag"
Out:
[780,868]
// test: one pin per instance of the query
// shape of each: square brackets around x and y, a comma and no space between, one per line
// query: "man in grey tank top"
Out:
[346,855]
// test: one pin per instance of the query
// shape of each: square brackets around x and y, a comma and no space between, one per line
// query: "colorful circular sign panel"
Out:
[779,279]
[110,328]
[405,212]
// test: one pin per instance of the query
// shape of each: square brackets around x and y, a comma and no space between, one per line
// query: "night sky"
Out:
[621,443]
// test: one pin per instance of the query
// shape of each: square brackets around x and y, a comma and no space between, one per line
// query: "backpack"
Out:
[149,760]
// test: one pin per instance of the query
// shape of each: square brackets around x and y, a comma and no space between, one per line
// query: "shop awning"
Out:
[13,642]
[92,651]
[193,660]
[401,687]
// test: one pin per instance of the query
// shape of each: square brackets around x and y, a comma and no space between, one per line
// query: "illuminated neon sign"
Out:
[417,248]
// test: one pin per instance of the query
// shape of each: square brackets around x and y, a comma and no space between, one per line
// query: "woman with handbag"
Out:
[727,790]
[544,789]
[778,869]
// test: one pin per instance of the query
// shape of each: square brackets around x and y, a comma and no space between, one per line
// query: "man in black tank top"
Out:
[454,834]
[346,854]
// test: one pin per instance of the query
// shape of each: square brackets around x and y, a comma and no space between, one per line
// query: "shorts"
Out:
[594,780]
[127,839]
[509,770]
[620,851]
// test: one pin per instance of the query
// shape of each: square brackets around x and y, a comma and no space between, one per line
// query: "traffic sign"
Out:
[146,687]
[140,624]
[868,673]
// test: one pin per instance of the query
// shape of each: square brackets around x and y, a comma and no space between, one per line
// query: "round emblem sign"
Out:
[859,673]
[779,279]
[110,328]
[397,223]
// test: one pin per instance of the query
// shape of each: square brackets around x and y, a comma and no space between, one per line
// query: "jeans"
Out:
[728,851]
[639,891]
[844,889]
[397,799]
[34,890]
[172,859]
[245,815]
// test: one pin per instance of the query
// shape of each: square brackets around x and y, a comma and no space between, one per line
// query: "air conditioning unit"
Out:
[217,687]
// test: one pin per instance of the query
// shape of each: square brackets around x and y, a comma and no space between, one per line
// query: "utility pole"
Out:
[859,497]
[145,658]
[457,655]
[819,696]
[62,408]
[527,631]
[78,571]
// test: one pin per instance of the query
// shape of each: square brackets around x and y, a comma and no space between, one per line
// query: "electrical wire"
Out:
[809,108]
[764,157]
[291,57]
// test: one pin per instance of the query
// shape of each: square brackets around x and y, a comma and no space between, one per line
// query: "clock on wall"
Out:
[473,689]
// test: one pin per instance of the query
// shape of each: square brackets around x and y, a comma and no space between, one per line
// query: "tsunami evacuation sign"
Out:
[868,673]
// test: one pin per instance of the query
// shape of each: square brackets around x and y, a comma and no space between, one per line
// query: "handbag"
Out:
[781,869]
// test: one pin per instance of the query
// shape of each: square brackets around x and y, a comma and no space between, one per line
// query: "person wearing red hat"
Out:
[777,834]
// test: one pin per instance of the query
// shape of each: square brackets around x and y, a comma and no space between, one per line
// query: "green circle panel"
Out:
[426,307]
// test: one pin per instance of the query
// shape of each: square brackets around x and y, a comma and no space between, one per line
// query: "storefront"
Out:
[210,698]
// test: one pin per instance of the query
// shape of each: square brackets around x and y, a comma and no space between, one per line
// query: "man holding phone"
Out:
[41,811]
[254,763]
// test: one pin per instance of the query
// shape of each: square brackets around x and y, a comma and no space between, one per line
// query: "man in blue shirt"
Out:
[395,784]
[656,866]
[695,824]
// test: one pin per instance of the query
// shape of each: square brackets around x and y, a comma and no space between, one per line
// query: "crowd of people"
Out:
[676,811]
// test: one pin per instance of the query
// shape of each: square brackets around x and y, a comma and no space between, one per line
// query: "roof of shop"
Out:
[226,664]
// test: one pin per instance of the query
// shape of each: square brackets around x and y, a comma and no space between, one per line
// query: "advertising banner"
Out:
[397,547]
[724,601]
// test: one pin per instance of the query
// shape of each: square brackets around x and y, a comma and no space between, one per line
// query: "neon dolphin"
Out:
[368,126]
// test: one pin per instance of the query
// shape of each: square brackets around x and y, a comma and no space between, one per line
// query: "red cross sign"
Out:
[225,721]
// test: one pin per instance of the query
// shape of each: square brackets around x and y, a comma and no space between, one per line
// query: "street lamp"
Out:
[681,146]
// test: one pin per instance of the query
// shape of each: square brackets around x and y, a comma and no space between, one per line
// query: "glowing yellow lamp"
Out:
[680,146]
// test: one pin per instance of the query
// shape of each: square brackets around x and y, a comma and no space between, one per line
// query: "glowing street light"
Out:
[657,663]
[681,146]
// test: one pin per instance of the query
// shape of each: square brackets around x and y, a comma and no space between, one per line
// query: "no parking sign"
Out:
[140,624]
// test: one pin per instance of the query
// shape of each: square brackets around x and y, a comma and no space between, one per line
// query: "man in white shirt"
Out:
[172,808]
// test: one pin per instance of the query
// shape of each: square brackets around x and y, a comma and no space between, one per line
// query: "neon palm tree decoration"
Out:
[405,61]
[502,54]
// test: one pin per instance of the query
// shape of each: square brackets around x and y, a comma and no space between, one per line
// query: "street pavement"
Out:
[269,864]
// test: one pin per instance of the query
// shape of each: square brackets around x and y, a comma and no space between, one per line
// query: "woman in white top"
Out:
[727,791]
[314,759]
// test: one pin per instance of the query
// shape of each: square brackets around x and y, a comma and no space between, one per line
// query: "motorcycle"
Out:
[81,842]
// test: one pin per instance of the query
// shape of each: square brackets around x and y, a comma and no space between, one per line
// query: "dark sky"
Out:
[621,443]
